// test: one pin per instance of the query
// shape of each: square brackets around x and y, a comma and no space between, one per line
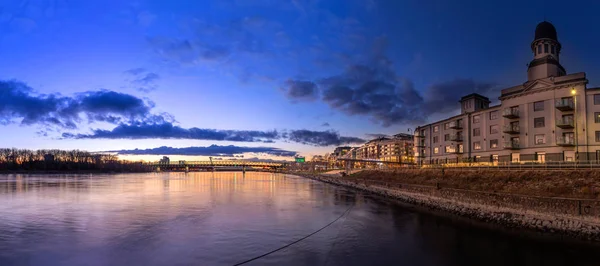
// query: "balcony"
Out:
[565,104]
[511,145]
[457,151]
[565,142]
[565,123]
[455,125]
[420,144]
[510,113]
[419,134]
[456,137]
[511,129]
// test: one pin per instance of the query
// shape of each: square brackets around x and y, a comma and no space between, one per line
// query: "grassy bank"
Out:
[571,184]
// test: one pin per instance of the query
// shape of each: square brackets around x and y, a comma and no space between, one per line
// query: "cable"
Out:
[335,241]
[313,233]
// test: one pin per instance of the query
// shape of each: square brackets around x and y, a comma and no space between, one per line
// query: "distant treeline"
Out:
[61,160]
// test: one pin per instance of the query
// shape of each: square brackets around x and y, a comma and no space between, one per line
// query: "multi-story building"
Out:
[398,148]
[553,116]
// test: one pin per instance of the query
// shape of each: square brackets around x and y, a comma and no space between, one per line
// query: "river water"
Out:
[224,218]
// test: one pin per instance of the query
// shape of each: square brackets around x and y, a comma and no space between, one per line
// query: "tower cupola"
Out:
[546,53]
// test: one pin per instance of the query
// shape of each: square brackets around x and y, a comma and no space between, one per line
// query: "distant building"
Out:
[165,160]
[48,158]
[553,116]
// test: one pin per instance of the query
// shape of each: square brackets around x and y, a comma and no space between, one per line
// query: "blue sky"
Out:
[291,76]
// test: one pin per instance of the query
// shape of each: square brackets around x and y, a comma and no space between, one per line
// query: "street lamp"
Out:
[573,92]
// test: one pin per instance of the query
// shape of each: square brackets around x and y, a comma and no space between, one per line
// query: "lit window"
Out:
[540,139]
[477,145]
[539,122]
[538,106]
[493,143]
[436,150]
[596,117]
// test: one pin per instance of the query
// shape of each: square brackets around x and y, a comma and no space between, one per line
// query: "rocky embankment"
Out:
[566,216]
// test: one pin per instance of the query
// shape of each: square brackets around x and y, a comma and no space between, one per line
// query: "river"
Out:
[224,218]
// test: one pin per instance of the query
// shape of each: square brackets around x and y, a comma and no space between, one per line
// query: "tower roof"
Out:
[545,30]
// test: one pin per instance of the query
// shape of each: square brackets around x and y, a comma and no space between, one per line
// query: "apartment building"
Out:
[553,116]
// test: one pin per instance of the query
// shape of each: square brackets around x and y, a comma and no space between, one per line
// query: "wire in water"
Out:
[297,241]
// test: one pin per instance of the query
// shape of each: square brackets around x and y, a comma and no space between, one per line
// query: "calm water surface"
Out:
[224,218]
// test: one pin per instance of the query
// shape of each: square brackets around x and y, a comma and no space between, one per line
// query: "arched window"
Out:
[539,49]
[545,48]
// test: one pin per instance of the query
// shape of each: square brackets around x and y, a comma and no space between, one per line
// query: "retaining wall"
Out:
[574,217]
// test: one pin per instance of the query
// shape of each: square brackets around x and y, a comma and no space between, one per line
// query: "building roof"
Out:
[545,30]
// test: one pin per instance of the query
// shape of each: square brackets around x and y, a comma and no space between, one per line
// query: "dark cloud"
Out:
[325,124]
[167,130]
[301,90]
[321,138]
[19,103]
[213,150]
[372,88]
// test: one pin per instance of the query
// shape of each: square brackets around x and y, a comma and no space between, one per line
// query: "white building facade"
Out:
[553,116]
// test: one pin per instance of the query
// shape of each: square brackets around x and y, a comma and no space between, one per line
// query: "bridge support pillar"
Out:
[157,169]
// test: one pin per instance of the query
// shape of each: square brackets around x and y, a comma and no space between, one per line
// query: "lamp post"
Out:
[574,93]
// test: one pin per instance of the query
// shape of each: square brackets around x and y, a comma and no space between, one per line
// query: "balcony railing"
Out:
[455,125]
[419,134]
[562,141]
[565,104]
[456,137]
[512,145]
[565,123]
[420,144]
[511,129]
[457,150]
[510,113]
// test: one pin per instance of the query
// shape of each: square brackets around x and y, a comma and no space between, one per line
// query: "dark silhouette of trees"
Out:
[61,160]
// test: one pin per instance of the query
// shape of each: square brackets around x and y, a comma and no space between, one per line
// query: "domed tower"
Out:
[546,51]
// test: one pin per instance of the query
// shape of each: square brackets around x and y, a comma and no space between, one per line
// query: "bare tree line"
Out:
[64,160]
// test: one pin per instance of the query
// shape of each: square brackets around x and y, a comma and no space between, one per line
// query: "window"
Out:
[540,139]
[597,136]
[539,122]
[493,115]
[450,149]
[447,137]
[552,49]
[494,157]
[436,150]
[476,119]
[545,48]
[436,128]
[596,117]
[494,129]
[538,106]
[493,143]
[435,139]
[447,126]
[596,99]
[476,132]
[539,49]
[477,145]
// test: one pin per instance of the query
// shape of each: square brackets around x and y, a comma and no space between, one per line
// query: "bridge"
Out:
[215,165]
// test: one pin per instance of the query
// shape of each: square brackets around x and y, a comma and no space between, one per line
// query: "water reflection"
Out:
[222,218]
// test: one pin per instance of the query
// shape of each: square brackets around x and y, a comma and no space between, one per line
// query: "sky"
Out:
[264,79]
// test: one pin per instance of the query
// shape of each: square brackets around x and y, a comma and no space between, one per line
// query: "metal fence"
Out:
[528,165]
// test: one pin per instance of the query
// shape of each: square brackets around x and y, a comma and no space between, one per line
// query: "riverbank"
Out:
[574,217]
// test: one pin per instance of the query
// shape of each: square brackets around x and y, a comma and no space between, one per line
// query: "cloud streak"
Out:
[166,130]
[213,150]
